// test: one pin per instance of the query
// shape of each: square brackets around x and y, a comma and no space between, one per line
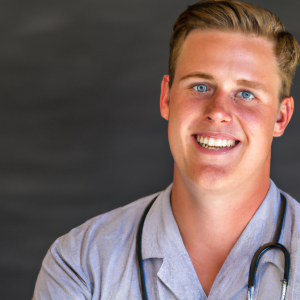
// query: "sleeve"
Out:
[60,279]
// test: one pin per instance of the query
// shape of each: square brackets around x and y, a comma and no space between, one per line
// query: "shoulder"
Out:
[295,210]
[292,218]
[101,237]
[78,262]
[292,239]
[118,223]
[294,205]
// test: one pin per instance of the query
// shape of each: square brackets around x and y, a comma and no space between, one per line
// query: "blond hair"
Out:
[238,16]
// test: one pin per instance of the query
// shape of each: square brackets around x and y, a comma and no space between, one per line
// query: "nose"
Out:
[218,109]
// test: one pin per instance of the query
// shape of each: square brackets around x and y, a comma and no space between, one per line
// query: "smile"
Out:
[215,144]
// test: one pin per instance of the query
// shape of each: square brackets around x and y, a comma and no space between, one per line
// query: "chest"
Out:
[177,279]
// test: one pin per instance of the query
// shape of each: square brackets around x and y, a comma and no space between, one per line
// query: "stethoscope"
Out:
[255,260]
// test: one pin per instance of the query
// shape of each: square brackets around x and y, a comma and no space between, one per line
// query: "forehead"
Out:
[228,54]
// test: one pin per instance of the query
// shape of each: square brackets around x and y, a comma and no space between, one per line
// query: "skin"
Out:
[216,194]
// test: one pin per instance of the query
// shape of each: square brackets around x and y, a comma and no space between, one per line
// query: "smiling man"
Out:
[225,98]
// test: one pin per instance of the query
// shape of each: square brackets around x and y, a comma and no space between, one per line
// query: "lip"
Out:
[215,152]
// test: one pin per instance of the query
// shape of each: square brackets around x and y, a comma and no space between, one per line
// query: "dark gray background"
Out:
[80,127]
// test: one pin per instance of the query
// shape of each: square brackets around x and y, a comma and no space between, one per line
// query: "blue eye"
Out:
[200,88]
[246,95]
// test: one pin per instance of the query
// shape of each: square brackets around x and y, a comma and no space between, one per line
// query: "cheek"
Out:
[184,114]
[184,118]
[258,122]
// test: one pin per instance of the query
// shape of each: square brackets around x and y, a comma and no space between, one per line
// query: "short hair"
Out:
[243,17]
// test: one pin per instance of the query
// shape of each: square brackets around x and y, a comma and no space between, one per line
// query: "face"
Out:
[223,108]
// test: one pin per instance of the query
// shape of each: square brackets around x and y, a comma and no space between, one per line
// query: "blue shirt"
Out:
[97,260]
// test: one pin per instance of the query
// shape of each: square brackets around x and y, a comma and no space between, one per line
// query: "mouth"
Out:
[214,143]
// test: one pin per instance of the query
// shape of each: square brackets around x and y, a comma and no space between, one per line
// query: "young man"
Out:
[225,98]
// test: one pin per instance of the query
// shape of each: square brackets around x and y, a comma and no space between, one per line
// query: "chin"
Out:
[212,177]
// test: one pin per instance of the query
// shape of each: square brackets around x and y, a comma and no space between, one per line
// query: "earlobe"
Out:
[284,115]
[165,97]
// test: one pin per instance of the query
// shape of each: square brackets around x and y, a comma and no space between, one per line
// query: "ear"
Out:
[284,115]
[165,97]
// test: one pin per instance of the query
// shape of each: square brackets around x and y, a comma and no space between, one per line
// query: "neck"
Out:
[208,209]
[210,222]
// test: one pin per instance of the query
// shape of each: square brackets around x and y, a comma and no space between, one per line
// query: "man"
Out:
[225,98]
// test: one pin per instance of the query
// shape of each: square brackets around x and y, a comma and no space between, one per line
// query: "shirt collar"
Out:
[159,226]
[261,228]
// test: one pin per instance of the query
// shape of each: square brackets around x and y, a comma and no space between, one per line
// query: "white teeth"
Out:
[219,143]
[211,142]
[215,144]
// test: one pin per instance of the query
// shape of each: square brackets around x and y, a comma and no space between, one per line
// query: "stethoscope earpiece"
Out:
[254,264]
[265,248]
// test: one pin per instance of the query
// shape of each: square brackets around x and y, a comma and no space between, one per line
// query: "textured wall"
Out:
[80,127]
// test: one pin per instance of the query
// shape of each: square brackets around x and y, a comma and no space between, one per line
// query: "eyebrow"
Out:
[243,82]
[199,75]
[252,84]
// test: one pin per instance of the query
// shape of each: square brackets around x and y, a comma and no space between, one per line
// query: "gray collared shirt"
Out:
[97,260]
